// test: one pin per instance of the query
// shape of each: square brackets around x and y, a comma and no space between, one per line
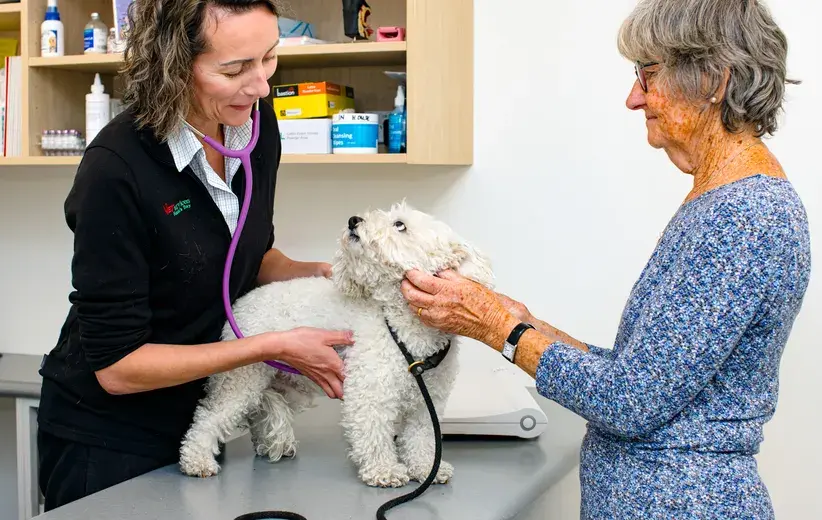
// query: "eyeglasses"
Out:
[639,69]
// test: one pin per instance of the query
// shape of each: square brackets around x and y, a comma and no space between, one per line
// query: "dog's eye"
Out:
[399,225]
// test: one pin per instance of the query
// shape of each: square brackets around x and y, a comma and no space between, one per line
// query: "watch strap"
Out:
[517,333]
[509,350]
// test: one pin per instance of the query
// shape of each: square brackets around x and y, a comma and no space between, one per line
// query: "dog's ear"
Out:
[472,263]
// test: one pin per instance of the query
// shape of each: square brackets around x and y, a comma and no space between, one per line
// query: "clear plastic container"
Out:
[95,36]
[111,42]
[62,142]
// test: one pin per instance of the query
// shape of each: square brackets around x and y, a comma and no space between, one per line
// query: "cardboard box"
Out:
[311,100]
[306,136]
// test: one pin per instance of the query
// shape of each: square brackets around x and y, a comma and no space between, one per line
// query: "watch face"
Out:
[508,351]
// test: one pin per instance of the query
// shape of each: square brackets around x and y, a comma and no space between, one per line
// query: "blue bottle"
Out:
[397,124]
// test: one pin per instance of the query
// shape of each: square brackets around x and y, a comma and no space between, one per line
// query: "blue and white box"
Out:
[353,133]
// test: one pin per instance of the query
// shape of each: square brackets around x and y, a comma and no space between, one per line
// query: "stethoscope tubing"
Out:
[245,159]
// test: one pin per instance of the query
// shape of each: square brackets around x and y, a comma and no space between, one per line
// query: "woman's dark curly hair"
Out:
[164,39]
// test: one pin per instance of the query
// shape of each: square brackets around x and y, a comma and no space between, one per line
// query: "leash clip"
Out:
[417,368]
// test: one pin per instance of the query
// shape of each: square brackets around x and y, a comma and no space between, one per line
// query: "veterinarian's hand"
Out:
[312,269]
[311,351]
[323,269]
[454,304]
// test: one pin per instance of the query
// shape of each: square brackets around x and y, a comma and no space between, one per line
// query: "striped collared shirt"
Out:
[188,151]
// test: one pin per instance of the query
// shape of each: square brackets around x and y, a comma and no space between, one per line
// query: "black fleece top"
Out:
[149,250]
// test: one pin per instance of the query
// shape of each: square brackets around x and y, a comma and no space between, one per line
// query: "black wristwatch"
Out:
[509,350]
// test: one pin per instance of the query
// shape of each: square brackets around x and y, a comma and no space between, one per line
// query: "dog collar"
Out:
[418,367]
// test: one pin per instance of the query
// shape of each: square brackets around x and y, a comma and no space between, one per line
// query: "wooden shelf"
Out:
[303,56]
[439,62]
[380,158]
[38,160]
[342,55]
[10,17]
[108,63]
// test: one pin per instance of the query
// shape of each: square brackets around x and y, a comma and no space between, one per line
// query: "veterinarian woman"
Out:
[153,211]
[676,408]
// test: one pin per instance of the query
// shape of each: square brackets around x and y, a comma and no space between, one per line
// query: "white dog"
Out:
[379,391]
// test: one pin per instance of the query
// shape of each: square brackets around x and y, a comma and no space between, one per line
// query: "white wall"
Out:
[564,194]
[8,459]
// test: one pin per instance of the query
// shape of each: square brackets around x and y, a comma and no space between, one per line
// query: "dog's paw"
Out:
[274,451]
[444,474]
[395,475]
[199,466]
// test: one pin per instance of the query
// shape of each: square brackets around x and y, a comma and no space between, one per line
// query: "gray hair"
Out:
[697,41]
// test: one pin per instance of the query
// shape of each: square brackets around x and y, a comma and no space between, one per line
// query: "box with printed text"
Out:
[310,100]
[306,136]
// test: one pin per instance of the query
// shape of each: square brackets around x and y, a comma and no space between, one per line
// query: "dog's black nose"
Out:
[353,221]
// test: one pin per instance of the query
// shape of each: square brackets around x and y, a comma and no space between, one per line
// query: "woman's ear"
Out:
[719,94]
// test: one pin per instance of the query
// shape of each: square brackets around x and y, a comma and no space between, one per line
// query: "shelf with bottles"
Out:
[72,18]
[375,159]
[305,56]
[439,61]
[307,103]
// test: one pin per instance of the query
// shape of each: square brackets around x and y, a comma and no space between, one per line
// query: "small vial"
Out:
[77,141]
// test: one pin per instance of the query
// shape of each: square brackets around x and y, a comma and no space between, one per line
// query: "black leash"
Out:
[417,369]
[271,515]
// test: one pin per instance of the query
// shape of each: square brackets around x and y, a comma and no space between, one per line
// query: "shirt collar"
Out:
[184,144]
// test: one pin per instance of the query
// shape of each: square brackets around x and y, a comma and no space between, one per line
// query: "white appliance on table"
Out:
[491,397]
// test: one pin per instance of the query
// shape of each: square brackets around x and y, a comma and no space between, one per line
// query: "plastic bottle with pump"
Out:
[51,32]
[397,124]
[98,109]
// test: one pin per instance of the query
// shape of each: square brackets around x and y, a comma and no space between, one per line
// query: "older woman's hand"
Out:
[519,310]
[454,304]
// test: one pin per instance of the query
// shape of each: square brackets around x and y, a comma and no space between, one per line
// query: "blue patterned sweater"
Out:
[675,410]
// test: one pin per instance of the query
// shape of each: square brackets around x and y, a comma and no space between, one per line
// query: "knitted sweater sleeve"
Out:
[683,331]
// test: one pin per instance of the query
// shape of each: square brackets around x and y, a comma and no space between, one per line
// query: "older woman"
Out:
[676,408]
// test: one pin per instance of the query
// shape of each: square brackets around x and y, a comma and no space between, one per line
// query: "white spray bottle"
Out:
[51,32]
[98,109]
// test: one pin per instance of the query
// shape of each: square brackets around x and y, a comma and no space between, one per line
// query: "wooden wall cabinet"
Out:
[437,56]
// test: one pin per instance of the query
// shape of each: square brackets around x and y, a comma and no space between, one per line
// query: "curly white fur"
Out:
[379,392]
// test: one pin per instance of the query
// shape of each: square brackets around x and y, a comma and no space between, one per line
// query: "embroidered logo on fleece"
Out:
[179,207]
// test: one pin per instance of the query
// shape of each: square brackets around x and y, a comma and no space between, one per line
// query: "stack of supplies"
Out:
[319,118]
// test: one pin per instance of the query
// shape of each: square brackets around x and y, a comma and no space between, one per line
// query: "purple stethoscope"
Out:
[244,156]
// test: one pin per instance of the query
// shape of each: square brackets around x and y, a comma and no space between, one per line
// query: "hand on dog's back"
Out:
[311,351]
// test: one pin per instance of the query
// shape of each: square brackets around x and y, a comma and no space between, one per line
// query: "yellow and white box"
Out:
[310,100]
[306,136]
